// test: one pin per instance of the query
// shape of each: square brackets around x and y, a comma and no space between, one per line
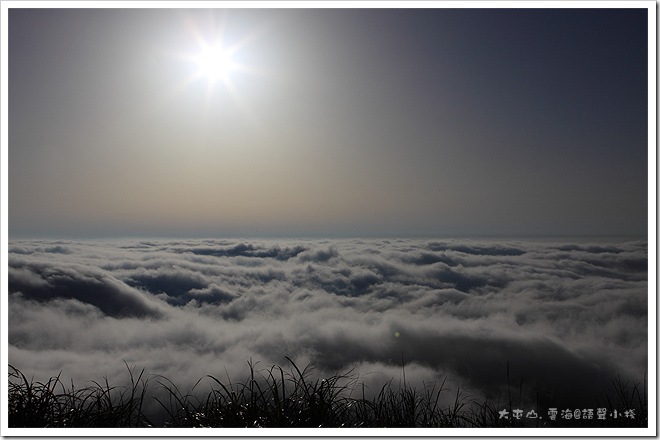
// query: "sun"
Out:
[216,58]
[214,63]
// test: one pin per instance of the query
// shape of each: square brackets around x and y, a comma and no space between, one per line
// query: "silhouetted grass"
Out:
[277,397]
[36,404]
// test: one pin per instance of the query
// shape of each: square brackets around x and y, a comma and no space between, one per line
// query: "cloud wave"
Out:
[562,318]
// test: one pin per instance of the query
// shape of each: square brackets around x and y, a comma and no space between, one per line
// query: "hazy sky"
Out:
[332,122]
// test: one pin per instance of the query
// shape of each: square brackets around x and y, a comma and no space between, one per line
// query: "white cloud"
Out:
[566,317]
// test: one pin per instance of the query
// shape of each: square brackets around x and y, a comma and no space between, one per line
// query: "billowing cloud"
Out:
[562,319]
[88,285]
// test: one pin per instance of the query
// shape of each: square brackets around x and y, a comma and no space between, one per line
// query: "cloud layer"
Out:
[563,318]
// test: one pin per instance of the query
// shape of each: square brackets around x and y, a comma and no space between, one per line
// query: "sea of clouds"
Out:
[558,320]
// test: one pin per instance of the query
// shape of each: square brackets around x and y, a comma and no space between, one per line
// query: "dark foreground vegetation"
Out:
[275,397]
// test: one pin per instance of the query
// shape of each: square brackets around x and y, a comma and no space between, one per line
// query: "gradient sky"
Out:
[341,122]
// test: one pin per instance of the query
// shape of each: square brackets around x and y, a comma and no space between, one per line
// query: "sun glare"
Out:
[215,63]
[215,59]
